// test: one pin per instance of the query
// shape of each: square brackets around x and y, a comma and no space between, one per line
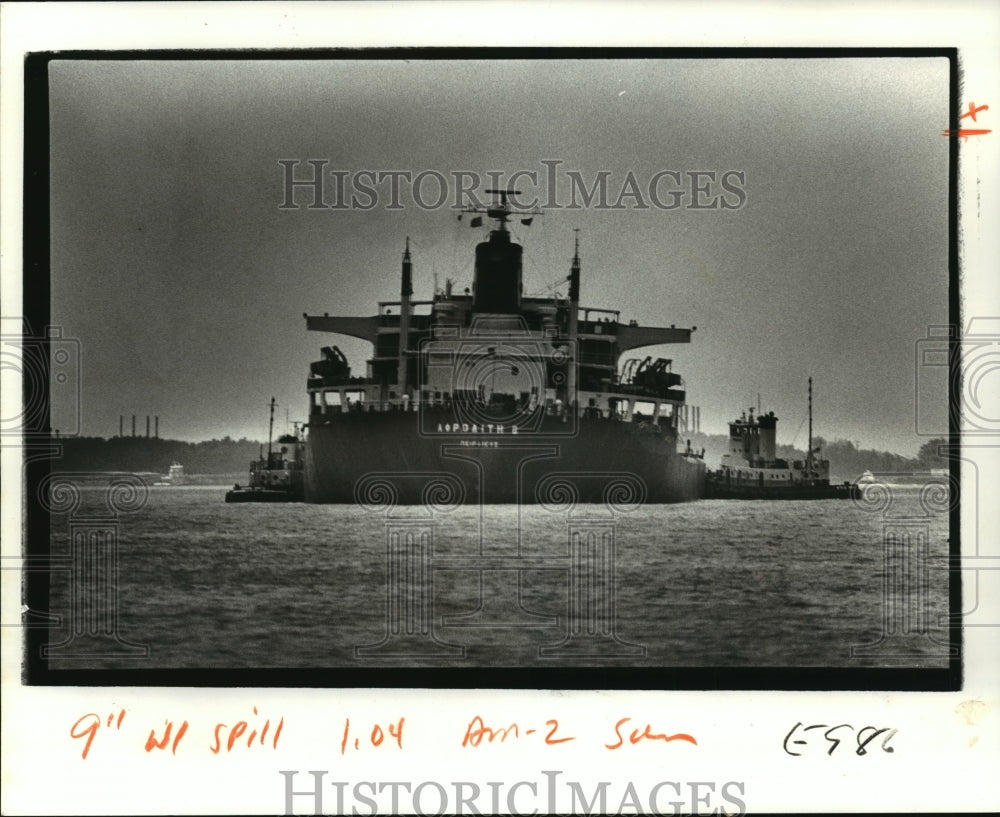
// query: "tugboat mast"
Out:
[270,433]
[809,456]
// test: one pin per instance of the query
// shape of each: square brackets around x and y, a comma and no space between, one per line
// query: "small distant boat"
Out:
[751,470]
[278,477]
[173,478]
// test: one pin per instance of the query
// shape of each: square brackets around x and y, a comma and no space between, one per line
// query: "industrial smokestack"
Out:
[147,426]
[121,425]
[156,427]
[133,425]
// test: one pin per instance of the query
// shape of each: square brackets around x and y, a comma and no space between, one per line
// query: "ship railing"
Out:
[314,382]
[611,315]
[607,328]
[366,407]
[665,393]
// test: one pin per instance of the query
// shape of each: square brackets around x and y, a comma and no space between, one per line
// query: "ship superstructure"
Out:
[527,386]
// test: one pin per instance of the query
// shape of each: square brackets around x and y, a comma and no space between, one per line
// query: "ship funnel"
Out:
[497,285]
[768,424]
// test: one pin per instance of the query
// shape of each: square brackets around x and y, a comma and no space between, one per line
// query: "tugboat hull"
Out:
[719,490]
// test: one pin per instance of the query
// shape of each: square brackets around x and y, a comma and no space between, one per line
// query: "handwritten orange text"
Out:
[251,732]
[965,133]
[376,737]
[153,743]
[973,110]
[477,731]
[237,730]
[86,726]
[646,734]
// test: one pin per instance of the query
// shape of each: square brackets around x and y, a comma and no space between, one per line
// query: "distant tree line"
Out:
[150,454]
[847,461]
[227,456]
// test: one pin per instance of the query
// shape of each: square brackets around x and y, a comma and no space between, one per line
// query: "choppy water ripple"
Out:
[712,583]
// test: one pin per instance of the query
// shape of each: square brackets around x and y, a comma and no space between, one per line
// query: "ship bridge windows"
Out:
[643,410]
[318,401]
[334,400]
[640,411]
[321,399]
[432,397]
[620,408]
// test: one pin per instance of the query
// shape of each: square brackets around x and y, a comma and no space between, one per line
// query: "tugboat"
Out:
[278,477]
[752,471]
[488,395]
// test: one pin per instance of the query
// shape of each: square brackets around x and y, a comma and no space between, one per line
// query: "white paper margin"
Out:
[948,748]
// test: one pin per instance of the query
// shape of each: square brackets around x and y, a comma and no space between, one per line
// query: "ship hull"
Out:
[374,457]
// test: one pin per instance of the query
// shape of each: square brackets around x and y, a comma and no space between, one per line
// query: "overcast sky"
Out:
[185,281]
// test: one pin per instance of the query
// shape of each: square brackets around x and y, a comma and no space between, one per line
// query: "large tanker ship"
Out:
[490,396]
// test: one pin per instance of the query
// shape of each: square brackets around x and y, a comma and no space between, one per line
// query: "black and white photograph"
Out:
[499,360]
[528,408]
